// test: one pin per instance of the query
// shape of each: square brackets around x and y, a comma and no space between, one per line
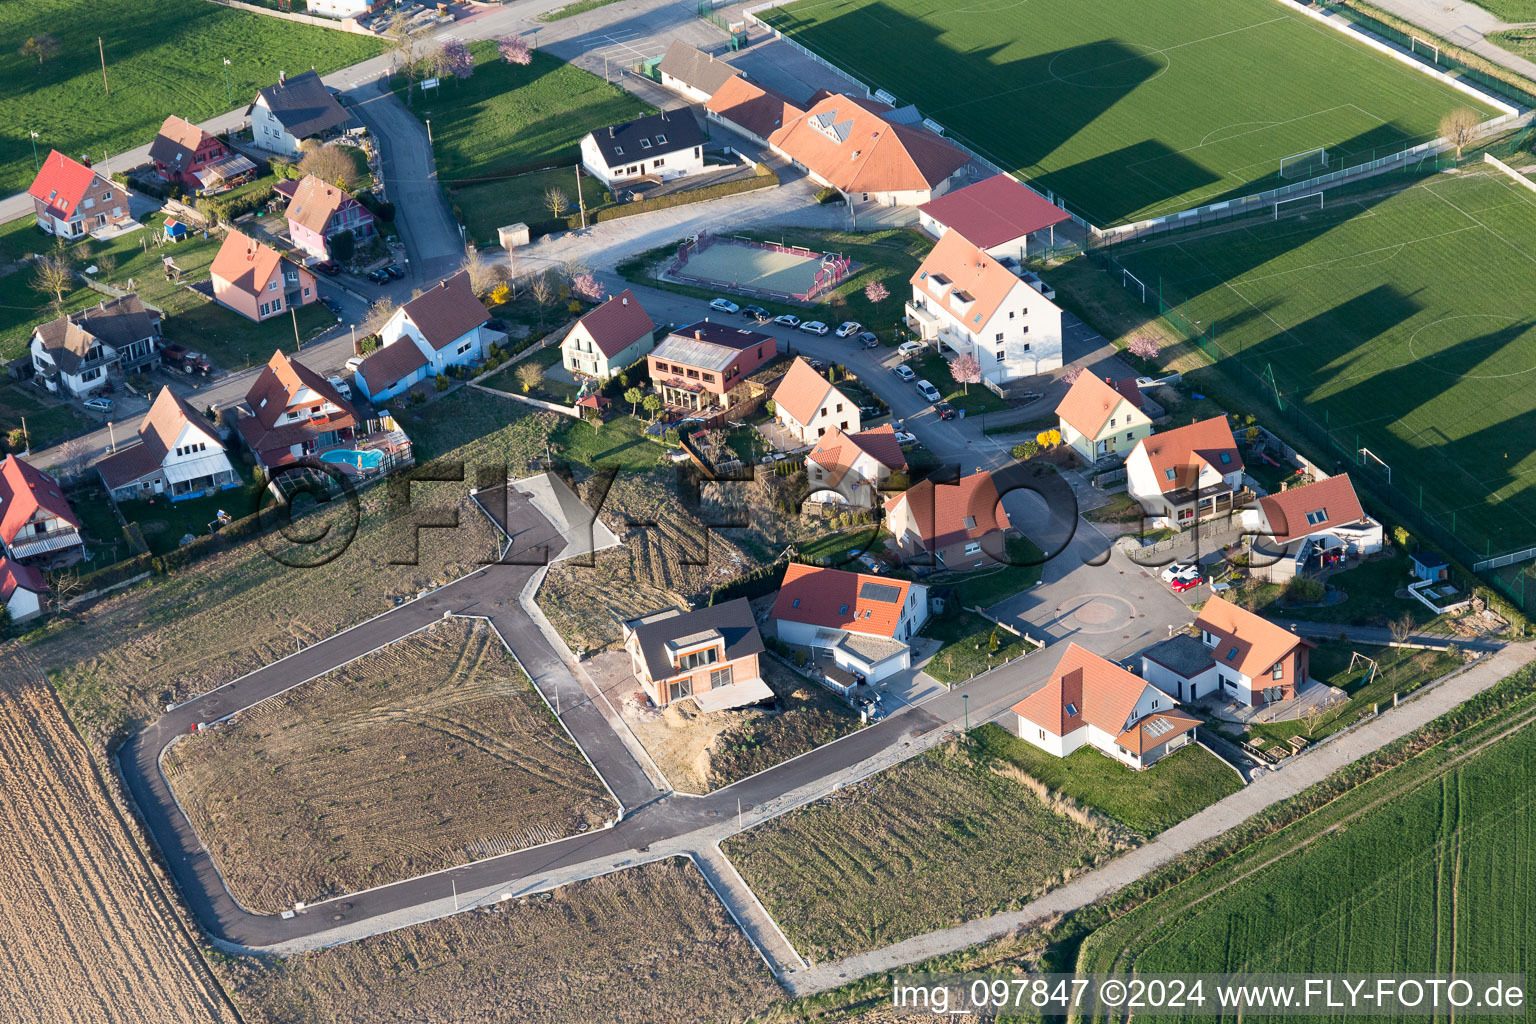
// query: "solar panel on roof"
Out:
[882,592]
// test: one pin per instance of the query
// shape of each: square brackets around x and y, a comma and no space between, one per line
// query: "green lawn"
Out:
[579,7]
[1370,590]
[165,522]
[839,549]
[163,57]
[105,541]
[48,419]
[508,119]
[548,389]
[973,398]
[1510,10]
[519,200]
[966,652]
[1398,324]
[1149,801]
[1129,117]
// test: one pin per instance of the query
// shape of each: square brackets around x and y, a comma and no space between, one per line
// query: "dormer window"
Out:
[1168,474]
[970,522]
[1317,516]
[618,150]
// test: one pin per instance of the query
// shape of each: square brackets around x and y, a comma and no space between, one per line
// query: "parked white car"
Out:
[903,372]
[928,391]
[342,387]
[787,320]
[848,328]
[814,327]
[904,438]
[1181,571]
[909,348]
[351,365]
[724,306]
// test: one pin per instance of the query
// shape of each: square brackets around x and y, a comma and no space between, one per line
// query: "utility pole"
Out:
[228,92]
[965,702]
[429,131]
[581,200]
[112,436]
[293,312]
[36,166]
[101,48]
[26,437]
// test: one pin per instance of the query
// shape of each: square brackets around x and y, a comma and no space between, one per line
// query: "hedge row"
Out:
[758,583]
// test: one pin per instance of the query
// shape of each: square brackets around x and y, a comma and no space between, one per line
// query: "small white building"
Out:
[966,302]
[1186,474]
[295,109]
[657,147]
[339,8]
[697,75]
[999,216]
[860,624]
[808,405]
[1093,702]
[1305,529]
[441,327]
[21,590]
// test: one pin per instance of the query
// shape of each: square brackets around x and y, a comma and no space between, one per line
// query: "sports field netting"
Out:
[755,267]
[1403,324]
[1131,110]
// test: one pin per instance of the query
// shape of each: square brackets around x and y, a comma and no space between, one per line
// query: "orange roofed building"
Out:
[861,623]
[1189,473]
[1094,702]
[1099,418]
[1305,529]
[254,279]
[1248,658]
[848,144]
[949,525]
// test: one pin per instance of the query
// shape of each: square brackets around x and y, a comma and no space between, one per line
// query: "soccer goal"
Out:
[1130,280]
[1420,46]
[1304,165]
[1299,204]
[1366,455]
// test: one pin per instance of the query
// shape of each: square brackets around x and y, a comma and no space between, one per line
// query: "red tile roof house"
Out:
[37,524]
[21,590]
[79,353]
[1088,701]
[294,412]
[700,366]
[1253,661]
[179,454]
[1099,419]
[807,405]
[750,109]
[852,468]
[1304,529]
[861,623]
[848,144]
[442,327]
[320,211]
[998,216]
[256,281]
[709,654]
[609,339]
[949,525]
[181,149]
[1189,473]
[72,200]
[966,302]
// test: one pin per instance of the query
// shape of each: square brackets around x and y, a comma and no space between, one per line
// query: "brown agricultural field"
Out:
[700,753]
[432,752]
[118,662]
[86,936]
[929,843]
[641,946]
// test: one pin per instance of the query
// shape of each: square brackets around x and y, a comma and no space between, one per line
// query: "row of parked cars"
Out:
[847,329]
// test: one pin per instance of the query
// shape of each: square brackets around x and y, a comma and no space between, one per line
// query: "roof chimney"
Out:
[698,335]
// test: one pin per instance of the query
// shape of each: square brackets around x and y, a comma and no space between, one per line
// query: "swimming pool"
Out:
[353,457]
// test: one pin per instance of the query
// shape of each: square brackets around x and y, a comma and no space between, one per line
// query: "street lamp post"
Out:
[965,702]
[429,131]
[36,167]
[229,93]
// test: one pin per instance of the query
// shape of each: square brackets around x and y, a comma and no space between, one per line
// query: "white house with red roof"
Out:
[611,338]
[21,590]
[1304,529]
[440,328]
[852,468]
[37,524]
[1088,701]
[808,405]
[998,216]
[863,624]
[1188,473]
[966,302]
[1100,418]
[1251,659]
[72,200]
[848,144]
[179,454]
[949,525]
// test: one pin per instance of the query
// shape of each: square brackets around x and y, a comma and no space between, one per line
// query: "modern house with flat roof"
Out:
[700,366]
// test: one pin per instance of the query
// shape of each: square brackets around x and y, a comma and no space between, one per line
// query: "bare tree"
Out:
[328,163]
[529,375]
[73,457]
[378,315]
[1401,628]
[53,277]
[40,46]
[106,263]
[484,274]
[543,291]
[1458,127]
[556,201]
[65,584]
[1312,718]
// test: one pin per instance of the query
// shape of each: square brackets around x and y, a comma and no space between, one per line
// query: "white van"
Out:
[928,391]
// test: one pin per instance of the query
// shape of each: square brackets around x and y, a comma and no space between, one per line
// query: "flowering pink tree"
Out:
[514,49]
[1143,346]
[456,59]
[876,291]
[586,286]
[1073,372]
[966,371]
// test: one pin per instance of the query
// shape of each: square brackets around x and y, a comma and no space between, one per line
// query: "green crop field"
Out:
[163,57]
[1399,323]
[1130,111]
[1427,869]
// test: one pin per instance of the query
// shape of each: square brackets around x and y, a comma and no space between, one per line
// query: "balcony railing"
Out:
[34,544]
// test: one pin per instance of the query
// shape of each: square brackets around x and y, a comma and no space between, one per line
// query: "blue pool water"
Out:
[350,456]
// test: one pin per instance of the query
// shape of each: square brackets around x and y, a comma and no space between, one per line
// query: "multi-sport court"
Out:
[1128,109]
[1404,322]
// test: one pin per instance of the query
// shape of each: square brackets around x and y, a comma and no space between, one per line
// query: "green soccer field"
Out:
[1402,324]
[1129,111]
